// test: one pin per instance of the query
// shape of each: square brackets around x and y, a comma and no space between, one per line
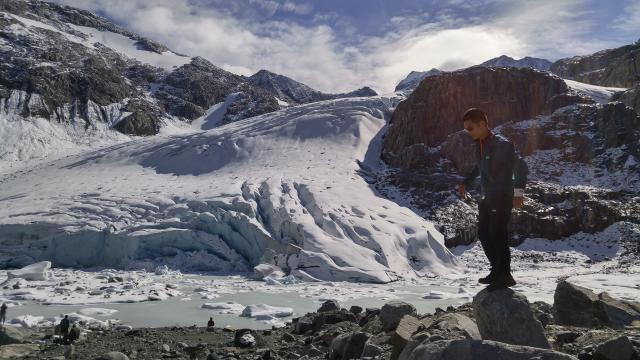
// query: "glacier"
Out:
[285,188]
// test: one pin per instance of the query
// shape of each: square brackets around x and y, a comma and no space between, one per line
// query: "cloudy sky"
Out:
[340,45]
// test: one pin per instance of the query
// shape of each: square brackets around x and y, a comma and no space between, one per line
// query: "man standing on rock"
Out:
[503,176]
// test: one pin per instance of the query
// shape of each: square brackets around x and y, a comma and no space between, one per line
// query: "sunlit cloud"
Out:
[327,46]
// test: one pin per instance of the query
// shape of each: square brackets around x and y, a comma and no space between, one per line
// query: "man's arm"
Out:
[468,180]
[520,172]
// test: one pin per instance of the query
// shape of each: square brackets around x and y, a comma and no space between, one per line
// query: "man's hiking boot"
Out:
[501,282]
[487,279]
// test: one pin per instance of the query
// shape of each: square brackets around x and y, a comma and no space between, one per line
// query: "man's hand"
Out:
[461,191]
[518,202]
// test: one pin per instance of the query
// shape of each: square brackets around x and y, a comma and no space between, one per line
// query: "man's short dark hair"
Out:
[475,115]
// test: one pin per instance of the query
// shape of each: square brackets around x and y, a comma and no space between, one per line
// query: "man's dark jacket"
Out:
[500,168]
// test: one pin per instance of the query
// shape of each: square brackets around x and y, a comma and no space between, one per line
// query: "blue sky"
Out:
[337,45]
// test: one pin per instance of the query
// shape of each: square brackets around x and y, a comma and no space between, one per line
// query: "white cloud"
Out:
[629,21]
[337,60]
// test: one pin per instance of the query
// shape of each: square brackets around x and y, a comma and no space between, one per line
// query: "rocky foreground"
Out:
[497,325]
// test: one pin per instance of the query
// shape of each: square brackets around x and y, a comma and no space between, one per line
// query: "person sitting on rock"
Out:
[3,313]
[503,176]
[73,335]
[211,323]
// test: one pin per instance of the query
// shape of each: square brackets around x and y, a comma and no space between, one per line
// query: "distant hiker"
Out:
[73,335]
[64,325]
[211,323]
[3,313]
[501,170]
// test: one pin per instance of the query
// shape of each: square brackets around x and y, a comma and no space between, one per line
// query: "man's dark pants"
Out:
[493,221]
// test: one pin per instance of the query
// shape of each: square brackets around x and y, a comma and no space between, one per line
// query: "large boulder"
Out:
[348,346]
[392,312]
[434,110]
[329,305]
[408,326]
[619,348]
[506,316]
[469,349]
[578,306]
[13,335]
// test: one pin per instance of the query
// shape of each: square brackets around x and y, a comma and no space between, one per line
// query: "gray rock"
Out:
[304,324]
[113,355]
[245,338]
[504,315]
[565,337]
[392,312]
[578,306]
[543,312]
[469,349]
[619,348]
[370,351]
[13,335]
[618,313]
[407,326]
[454,321]
[329,305]
[355,309]
[15,351]
[348,346]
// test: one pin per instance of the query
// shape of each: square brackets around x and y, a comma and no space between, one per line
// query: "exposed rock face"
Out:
[506,316]
[294,92]
[578,306]
[434,110]
[612,67]
[631,97]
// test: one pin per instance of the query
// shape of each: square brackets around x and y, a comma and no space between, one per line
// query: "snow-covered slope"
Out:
[124,43]
[288,188]
[600,94]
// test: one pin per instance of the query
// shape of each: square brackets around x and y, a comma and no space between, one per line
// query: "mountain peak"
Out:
[294,92]
[527,61]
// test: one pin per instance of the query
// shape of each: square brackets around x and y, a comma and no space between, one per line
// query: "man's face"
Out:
[475,130]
